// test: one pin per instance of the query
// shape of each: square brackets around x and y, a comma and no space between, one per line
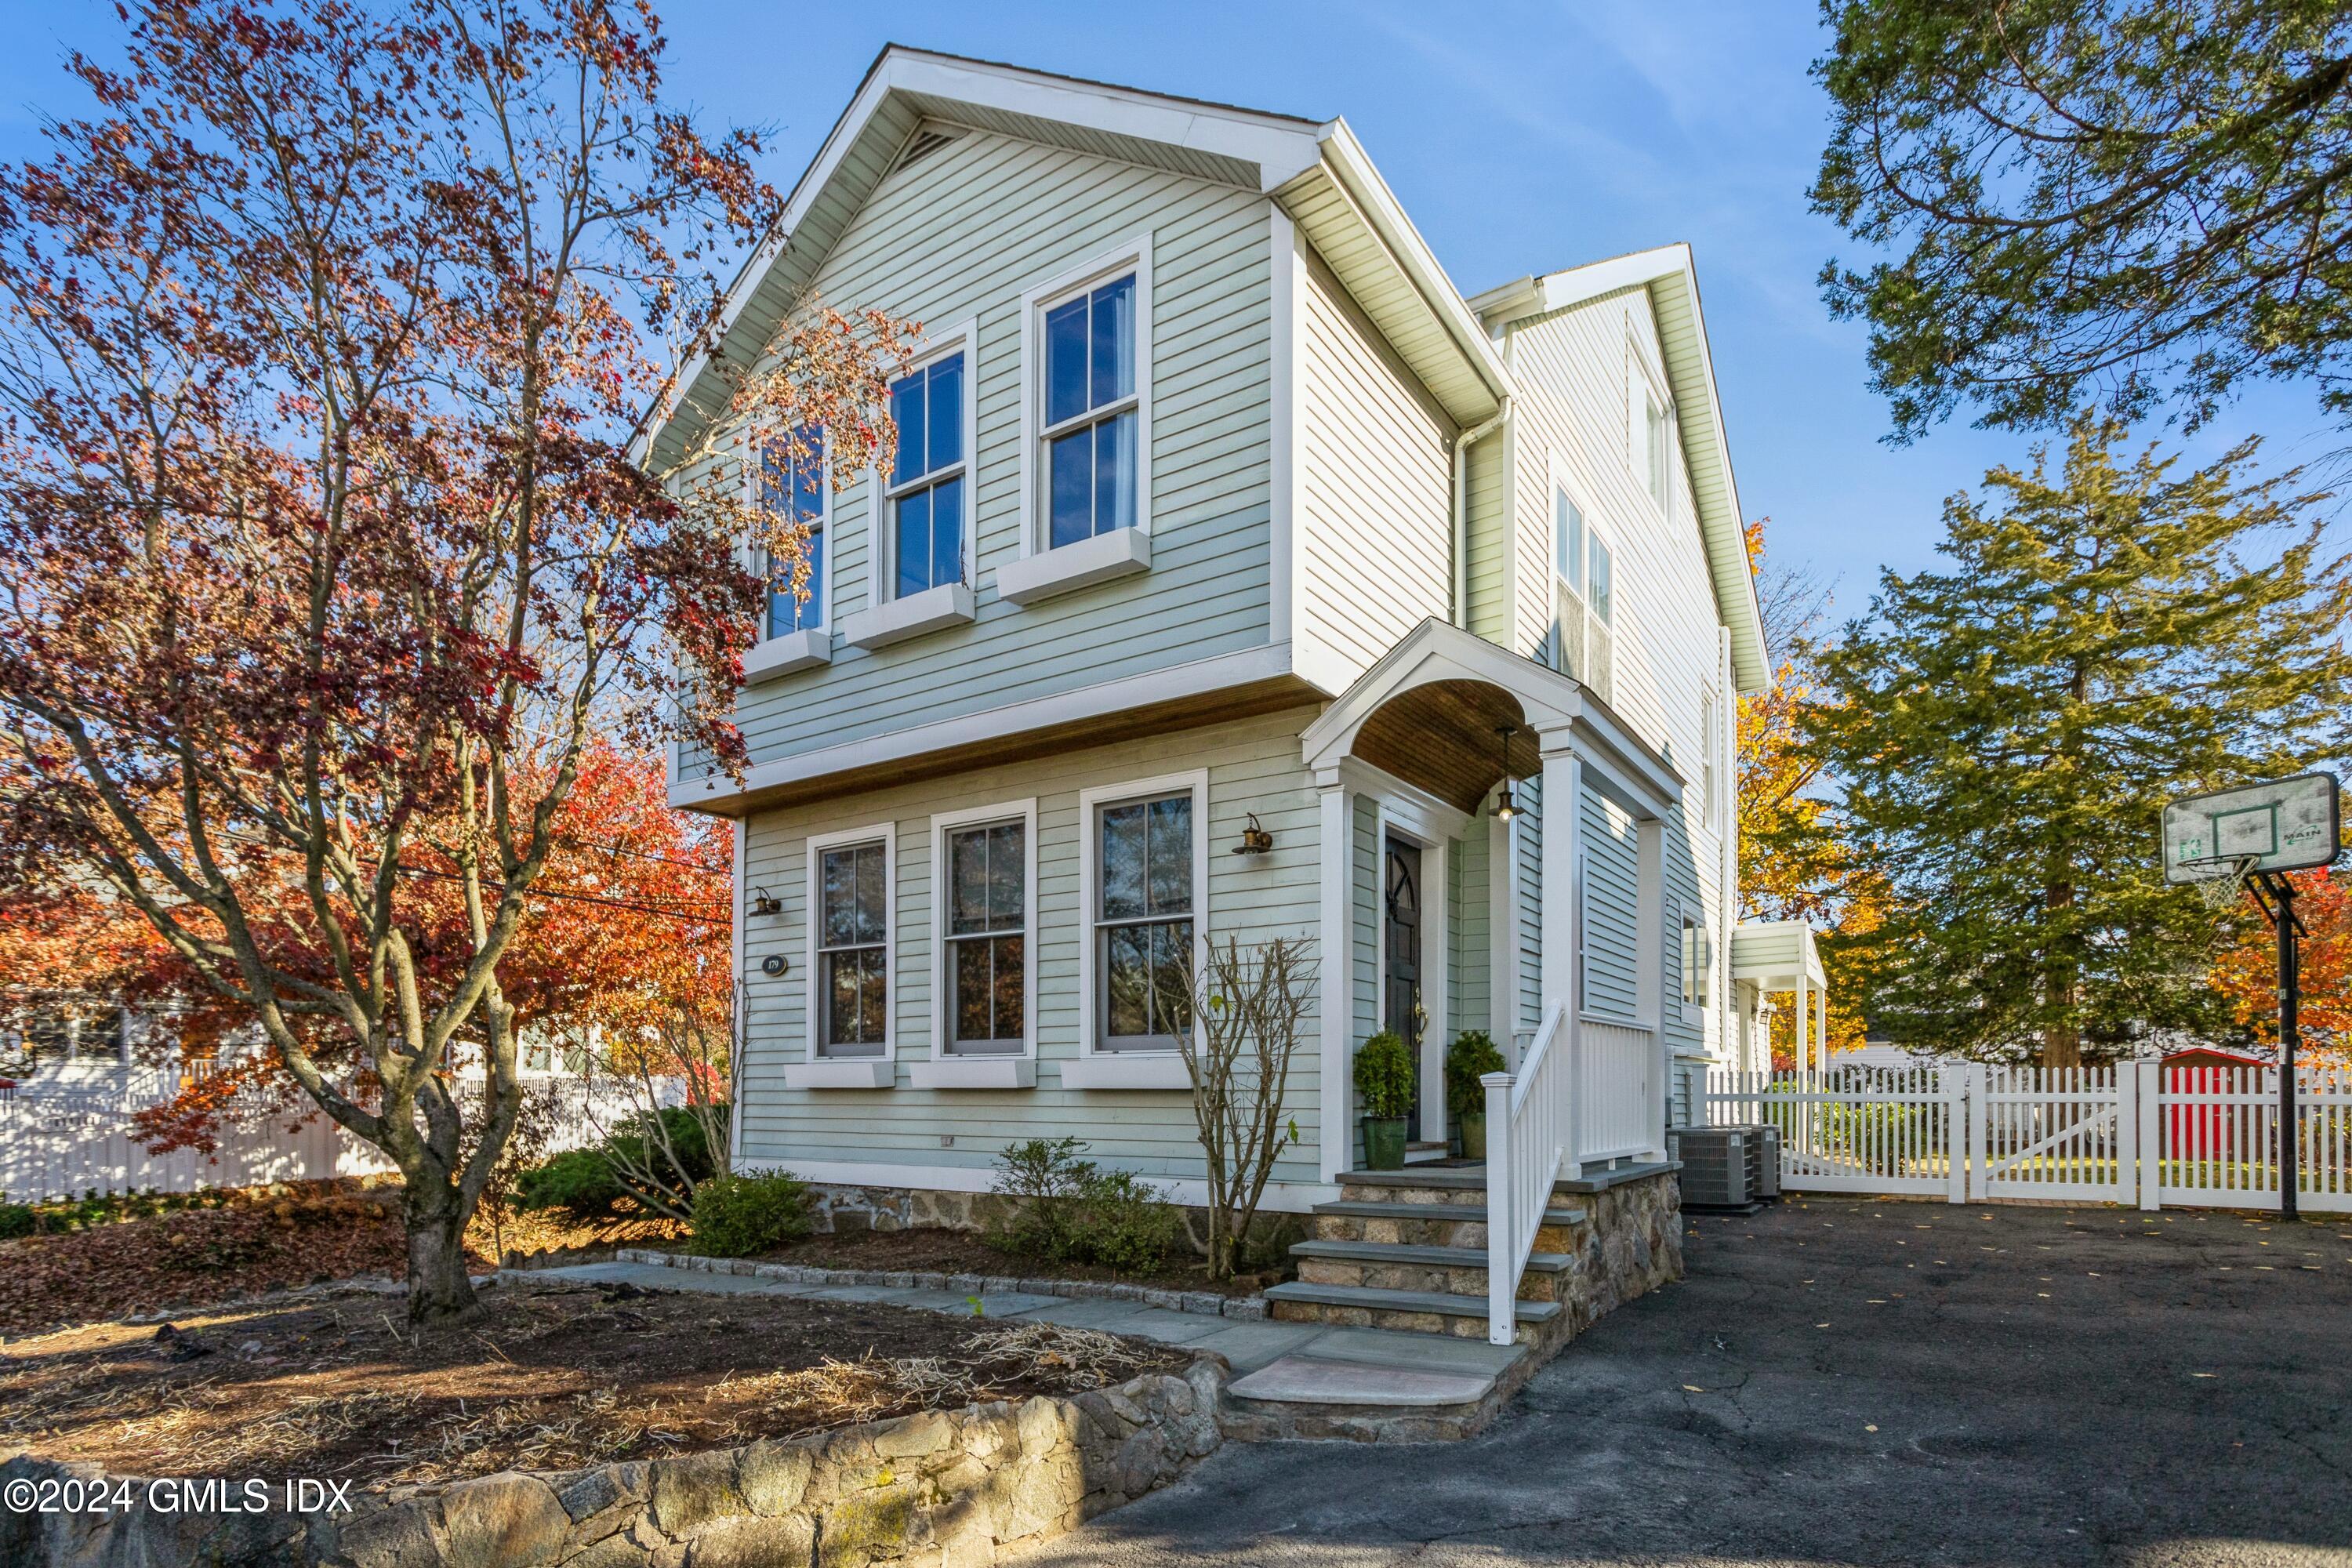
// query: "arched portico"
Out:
[1423,728]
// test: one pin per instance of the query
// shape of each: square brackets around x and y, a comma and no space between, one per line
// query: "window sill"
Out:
[976,1072]
[1112,1069]
[895,620]
[842,1072]
[1121,552]
[798,651]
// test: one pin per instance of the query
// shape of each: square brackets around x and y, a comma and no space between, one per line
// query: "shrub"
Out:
[578,1180]
[1066,1209]
[1472,1055]
[1385,1075]
[17,1219]
[736,1216]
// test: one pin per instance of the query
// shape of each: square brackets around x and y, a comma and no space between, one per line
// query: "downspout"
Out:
[1461,617]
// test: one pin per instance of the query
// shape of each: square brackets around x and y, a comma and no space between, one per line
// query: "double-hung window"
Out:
[1697,978]
[792,489]
[1145,891]
[1582,571]
[1092,416]
[987,937]
[1657,427]
[851,996]
[928,494]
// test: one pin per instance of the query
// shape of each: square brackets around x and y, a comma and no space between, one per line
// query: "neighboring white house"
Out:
[1228,508]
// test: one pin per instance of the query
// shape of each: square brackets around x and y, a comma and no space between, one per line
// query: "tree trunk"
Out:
[438,1287]
[2062,1033]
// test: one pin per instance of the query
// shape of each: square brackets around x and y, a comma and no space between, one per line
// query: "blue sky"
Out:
[1536,138]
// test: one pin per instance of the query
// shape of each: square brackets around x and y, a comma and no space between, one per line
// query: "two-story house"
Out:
[1217,507]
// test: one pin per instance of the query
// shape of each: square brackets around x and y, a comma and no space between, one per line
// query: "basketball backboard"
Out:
[2286,824]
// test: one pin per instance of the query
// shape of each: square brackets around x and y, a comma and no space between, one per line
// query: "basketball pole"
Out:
[2285,922]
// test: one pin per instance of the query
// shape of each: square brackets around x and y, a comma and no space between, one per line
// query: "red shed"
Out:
[2207,1132]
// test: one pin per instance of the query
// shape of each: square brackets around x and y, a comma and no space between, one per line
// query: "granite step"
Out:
[1416,1311]
[1460,1214]
[1427,1256]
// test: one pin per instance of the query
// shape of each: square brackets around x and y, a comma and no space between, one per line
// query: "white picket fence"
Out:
[66,1145]
[2186,1135]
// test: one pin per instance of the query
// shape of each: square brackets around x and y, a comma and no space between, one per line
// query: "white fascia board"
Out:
[1353,168]
[1280,146]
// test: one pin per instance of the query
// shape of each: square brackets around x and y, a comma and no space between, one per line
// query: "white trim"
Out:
[740,1046]
[1133,253]
[1161,1070]
[793,651]
[1423,815]
[1090,801]
[813,913]
[841,1072]
[886,621]
[1029,579]
[1281,1197]
[1288,267]
[1336,995]
[716,791]
[882,535]
[1503,935]
[1023,812]
[974,1072]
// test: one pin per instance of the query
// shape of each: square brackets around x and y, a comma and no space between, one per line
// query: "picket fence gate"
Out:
[2144,1133]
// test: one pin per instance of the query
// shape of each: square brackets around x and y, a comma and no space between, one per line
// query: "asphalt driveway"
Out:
[1848,1381]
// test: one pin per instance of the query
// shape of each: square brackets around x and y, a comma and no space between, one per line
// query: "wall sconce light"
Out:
[1255,840]
[763,902]
[1506,808]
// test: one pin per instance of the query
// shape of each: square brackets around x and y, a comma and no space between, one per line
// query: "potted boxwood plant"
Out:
[1471,1057]
[1384,1084]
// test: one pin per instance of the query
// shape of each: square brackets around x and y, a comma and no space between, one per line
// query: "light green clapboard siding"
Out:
[1253,766]
[1376,554]
[958,237]
[1527,838]
[1612,863]
[1488,481]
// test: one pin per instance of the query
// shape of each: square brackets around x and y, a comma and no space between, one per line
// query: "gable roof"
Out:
[1668,274]
[1314,170]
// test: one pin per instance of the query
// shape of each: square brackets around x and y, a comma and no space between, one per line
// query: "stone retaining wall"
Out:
[958,1489]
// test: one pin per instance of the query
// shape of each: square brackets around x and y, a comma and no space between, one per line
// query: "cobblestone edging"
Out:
[965,1488]
[1201,1303]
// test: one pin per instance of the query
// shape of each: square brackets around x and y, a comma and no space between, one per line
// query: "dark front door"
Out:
[1401,939]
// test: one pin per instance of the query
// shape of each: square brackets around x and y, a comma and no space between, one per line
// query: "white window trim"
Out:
[1640,384]
[883,546]
[946,1068]
[1091,801]
[771,657]
[1133,253]
[813,913]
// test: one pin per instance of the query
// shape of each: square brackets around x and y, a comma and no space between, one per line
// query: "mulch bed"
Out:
[262,1239]
[549,1374]
[932,1250]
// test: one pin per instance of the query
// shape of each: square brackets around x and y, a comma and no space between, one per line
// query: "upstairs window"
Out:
[926,496]
[1583,640]
[1710,744]
[792,486]
[1092,415]
[1657,426]
[852,950]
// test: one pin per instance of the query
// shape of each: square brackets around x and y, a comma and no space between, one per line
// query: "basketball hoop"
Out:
[2222,885]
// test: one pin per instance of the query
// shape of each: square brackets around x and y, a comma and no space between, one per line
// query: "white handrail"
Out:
[1528,1133]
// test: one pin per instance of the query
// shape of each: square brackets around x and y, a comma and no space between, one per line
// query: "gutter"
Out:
[1461,616]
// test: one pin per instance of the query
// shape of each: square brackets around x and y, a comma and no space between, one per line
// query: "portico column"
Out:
[1561,825]
[1335,959]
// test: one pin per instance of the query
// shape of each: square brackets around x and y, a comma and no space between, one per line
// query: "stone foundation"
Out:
[960,1489]
[1632,1244]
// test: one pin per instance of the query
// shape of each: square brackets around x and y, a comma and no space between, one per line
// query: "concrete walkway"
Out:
[1291,1362]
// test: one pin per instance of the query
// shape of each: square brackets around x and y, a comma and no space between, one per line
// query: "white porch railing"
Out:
[1615,1063]
[1527,1134]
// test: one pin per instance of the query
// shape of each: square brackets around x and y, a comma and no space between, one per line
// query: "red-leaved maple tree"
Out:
[325,551]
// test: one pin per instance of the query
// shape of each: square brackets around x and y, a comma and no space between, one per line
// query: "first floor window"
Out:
[1143,924]
[987,937]
[853,978]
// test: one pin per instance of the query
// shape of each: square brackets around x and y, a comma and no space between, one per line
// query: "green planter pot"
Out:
[1384,1142]
[1474,1135]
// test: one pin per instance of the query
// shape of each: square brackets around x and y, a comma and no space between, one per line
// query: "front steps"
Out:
[1407,1250]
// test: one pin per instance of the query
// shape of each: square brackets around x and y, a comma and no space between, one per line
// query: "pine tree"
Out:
[2008,730]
